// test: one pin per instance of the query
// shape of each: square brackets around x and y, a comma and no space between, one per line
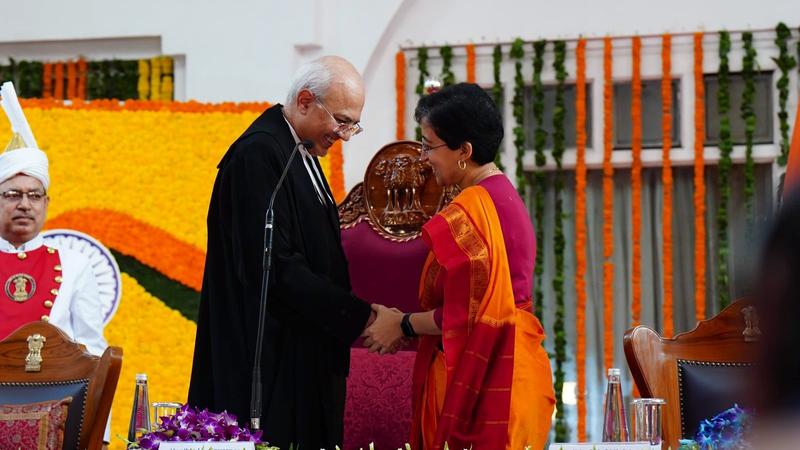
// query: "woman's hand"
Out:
[384,335]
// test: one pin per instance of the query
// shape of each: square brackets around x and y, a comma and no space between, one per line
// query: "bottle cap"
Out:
[141,377]
[614,371]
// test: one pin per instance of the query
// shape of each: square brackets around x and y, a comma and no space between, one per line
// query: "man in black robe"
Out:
[312,318]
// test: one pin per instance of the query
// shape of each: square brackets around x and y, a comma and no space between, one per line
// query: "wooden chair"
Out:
[698,373]
[381,221]
[38,362]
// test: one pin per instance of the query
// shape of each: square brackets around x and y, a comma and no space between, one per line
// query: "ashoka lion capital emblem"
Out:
[403,178]
[20,287]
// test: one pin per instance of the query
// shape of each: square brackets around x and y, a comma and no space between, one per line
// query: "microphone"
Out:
[269,221]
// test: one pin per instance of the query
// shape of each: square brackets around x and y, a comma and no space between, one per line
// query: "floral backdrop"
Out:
[138,176]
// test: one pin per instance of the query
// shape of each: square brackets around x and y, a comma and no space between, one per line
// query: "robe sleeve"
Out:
[296,291]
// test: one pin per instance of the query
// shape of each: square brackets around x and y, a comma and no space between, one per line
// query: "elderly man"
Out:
[313,318]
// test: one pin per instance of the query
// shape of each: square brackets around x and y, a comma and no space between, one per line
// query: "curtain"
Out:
[742,260]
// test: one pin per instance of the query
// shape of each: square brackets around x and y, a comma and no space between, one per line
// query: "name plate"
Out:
[207,446]
[606,446]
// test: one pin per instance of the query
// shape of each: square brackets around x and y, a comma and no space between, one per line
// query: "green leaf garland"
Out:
[540,180]
[448,77]
[497,93]
[422,65]
[518,107]
[785,63]
[559,112]
[723,182]
[749,117]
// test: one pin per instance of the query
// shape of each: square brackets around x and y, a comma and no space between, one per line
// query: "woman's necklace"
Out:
[486,174]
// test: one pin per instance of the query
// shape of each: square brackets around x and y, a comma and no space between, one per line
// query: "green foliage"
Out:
[518,107]
[114,78]
[448,77]
[422,65]
[559,244]
[497,91]
[785,63]
[749,117]
[723,182]
[26,76]
[540,180]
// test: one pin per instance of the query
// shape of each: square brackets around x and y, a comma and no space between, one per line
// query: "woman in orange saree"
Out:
[482,379]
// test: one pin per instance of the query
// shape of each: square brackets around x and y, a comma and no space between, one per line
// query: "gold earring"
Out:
[462,164]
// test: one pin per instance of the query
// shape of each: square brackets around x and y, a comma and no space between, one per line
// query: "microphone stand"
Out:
[255,388]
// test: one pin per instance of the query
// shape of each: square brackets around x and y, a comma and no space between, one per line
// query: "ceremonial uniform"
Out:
[58,286]
[39,282]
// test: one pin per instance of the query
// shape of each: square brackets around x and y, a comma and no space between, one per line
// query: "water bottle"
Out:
[140,414]
[615,424]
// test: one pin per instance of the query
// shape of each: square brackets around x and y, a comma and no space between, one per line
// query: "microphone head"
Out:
[307,143]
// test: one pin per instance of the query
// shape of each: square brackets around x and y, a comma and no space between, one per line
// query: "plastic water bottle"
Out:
[140,414]
[615,424]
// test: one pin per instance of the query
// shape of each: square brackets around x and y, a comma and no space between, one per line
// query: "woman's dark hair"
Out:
[460,113]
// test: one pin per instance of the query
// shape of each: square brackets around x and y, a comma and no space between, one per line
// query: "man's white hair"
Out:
[315,76]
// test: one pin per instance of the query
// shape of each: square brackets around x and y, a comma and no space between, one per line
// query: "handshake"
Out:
[383,333]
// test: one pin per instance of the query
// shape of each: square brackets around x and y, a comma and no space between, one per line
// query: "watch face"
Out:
[104,266]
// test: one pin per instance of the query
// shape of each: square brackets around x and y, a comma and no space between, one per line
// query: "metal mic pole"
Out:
[269,221]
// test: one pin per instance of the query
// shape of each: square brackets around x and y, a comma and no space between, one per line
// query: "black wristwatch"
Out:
[405,325]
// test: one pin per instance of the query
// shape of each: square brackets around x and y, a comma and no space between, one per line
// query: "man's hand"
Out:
[384,335]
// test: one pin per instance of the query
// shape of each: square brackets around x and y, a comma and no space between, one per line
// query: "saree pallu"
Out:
[486,383]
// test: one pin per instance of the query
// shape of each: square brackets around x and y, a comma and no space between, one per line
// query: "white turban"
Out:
[29,161]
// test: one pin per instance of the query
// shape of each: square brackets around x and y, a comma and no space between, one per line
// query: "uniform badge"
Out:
[20,287]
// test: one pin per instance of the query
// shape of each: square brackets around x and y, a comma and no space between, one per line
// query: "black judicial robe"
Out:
[312,316]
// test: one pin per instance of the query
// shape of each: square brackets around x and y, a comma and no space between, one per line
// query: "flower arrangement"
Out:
[725,431]
[193,425]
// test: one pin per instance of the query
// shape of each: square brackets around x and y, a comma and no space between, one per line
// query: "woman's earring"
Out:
[462,164]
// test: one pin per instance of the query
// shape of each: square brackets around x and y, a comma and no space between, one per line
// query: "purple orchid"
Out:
[191,424]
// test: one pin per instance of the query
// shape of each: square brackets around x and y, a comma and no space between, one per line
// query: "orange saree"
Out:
[486,382]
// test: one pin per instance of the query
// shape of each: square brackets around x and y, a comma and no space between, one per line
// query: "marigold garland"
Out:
[699,183]
[580,235]
[47,80]
[155,78]
[58,80]
[636,179]
[166,79]
[72,79]
[608,207]
[400,94]
[470,63]
[82,72]
[666,180]
[336,174]
[146,105]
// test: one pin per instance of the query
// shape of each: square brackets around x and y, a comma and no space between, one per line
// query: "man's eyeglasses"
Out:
[15,196]
[427,149]
[343,129]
